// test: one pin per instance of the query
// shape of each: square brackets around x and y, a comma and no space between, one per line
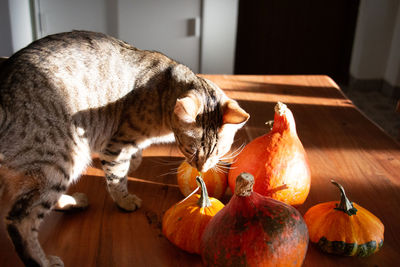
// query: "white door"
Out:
[164,26]
[54,16]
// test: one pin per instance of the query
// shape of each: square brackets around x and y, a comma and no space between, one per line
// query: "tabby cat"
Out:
[71,94]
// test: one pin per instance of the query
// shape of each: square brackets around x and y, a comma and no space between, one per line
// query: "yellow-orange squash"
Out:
[183,224]
[344,228]
[216,182]
[277,160]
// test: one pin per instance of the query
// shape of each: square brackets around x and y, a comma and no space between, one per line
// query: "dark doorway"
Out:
[296,37]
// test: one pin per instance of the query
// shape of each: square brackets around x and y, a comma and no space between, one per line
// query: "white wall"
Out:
[21,23]
[6,48]
[219,36]
[376,45]
[112,17]
[15,26]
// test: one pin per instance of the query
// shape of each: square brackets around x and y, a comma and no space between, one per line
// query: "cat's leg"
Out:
[116,160]
[136,160]
[26,212]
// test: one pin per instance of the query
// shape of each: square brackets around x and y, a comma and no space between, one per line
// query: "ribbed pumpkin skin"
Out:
[216,182]
[278,162]
[336,232]
[183,224]
[255,231]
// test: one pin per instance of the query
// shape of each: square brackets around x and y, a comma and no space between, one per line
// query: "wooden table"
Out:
[341,144]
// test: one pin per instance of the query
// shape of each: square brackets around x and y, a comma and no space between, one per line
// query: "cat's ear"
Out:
[233,114]
[186,109]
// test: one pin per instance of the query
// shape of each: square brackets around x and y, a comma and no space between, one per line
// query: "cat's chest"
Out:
[160,139]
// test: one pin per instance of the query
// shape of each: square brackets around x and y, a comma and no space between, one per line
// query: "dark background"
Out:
[296,37]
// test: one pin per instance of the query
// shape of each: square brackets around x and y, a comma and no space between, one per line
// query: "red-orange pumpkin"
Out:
[216,182]
[254,230]
[277,160]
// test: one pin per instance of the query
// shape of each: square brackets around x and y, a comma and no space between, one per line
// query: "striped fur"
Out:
[69,95]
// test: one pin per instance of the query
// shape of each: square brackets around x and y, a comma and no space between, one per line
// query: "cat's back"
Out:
[71,50]
[85,69]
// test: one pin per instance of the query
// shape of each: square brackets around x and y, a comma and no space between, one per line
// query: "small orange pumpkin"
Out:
[216,182]
[344,228]
[183,224]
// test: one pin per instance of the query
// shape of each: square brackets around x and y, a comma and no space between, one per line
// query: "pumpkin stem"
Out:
[244,184]
[204,201]
[345,205]
[280,108]
[283,119]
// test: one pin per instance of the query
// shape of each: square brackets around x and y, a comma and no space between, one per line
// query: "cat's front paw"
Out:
[55,261]
[129,203]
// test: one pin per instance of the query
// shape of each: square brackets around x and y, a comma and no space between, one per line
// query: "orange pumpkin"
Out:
[344,228]
[277,160]
[216,182]
[183,224]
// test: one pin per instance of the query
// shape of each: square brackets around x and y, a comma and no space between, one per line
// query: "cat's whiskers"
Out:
[173,171]
[224,163]
[232,155]
[169,162]
[225,170]
[226,167]
[235,152]
[238,150]
[222,167]
[218,169]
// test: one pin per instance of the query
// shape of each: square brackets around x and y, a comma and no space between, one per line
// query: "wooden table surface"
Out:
[340,142]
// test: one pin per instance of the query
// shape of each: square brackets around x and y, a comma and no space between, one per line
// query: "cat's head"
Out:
[205,122]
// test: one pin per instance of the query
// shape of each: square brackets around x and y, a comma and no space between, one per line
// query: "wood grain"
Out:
[340,142]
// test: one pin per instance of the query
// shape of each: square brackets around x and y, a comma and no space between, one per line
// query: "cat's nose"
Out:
[201,166]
